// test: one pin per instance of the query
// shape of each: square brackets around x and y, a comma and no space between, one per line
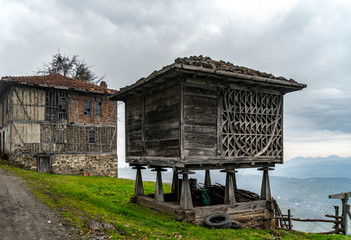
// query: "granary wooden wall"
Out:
[153,122]
[203,120]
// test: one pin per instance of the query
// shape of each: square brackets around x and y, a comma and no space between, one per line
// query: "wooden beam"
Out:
[340,195]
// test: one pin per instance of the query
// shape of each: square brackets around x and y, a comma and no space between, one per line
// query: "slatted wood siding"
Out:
[153,123]
[134,127]
[162,109]
[200,119]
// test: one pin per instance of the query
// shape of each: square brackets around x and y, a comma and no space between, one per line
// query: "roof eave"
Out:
[9,81]
[288,86]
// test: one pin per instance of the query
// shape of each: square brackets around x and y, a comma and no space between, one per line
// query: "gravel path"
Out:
[22,216]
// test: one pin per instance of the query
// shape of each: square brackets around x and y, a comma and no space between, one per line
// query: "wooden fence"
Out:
[284,222]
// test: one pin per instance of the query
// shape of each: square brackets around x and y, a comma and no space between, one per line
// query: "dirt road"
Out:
[22,216]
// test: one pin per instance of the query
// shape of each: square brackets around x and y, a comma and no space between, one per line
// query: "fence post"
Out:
[336,224]
[289,219]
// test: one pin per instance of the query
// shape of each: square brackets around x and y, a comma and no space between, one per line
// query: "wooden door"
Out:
[44,164]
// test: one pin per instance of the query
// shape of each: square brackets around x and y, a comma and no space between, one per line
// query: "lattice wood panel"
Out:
[251,124]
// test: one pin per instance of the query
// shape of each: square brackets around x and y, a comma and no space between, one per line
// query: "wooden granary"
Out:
[201,114]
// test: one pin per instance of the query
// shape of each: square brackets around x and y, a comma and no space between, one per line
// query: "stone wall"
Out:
[85,164]
[256,219]
[73,164]
[27,162]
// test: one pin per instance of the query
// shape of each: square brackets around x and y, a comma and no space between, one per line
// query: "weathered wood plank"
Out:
[201,100]
[202,212]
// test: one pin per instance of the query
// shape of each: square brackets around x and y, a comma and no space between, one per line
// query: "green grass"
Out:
[80,199]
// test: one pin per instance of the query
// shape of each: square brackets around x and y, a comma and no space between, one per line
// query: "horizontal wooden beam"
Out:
[340,195]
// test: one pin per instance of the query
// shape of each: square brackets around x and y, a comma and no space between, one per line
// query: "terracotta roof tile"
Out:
[58,81]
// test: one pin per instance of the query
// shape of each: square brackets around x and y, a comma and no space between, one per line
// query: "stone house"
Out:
[58,124]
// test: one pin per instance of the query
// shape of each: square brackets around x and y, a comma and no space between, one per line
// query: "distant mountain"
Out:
[326,167]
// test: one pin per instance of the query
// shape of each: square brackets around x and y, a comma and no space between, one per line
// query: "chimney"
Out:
[103,84]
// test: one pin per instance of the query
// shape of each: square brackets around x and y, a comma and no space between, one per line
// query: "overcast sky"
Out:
[309,41]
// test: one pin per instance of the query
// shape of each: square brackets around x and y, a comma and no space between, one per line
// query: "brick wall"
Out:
[76,109]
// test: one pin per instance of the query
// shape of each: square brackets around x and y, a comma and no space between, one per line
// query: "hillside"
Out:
[105,202]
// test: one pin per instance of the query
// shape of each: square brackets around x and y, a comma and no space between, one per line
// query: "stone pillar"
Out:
[159,197]
[175,182]
[265,188]
[229,193]
[207,178]
[139,189]
[186,201]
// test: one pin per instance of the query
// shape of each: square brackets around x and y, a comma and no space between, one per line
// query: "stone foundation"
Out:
[27,162]
[73,164]
[85,164]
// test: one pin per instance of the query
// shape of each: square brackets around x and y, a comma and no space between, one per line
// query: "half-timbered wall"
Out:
[28,104]
[53,121]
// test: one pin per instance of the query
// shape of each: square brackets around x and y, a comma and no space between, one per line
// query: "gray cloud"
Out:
[304,40]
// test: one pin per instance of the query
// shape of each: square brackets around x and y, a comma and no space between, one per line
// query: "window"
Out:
[56,106]
[98,108]
[62,106]
[87,108]
[91,135]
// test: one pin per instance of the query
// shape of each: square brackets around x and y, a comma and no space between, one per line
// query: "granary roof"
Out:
[216,69]
[57,81]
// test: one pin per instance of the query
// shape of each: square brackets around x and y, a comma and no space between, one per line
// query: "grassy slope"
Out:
[80,199]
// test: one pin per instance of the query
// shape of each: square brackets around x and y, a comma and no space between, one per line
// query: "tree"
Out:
[69,67]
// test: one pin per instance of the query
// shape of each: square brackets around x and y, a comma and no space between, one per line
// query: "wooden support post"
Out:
[175,182]
[139,189]
[159,196]
[265,188]
[229,193]
[207,178]
[186,202]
